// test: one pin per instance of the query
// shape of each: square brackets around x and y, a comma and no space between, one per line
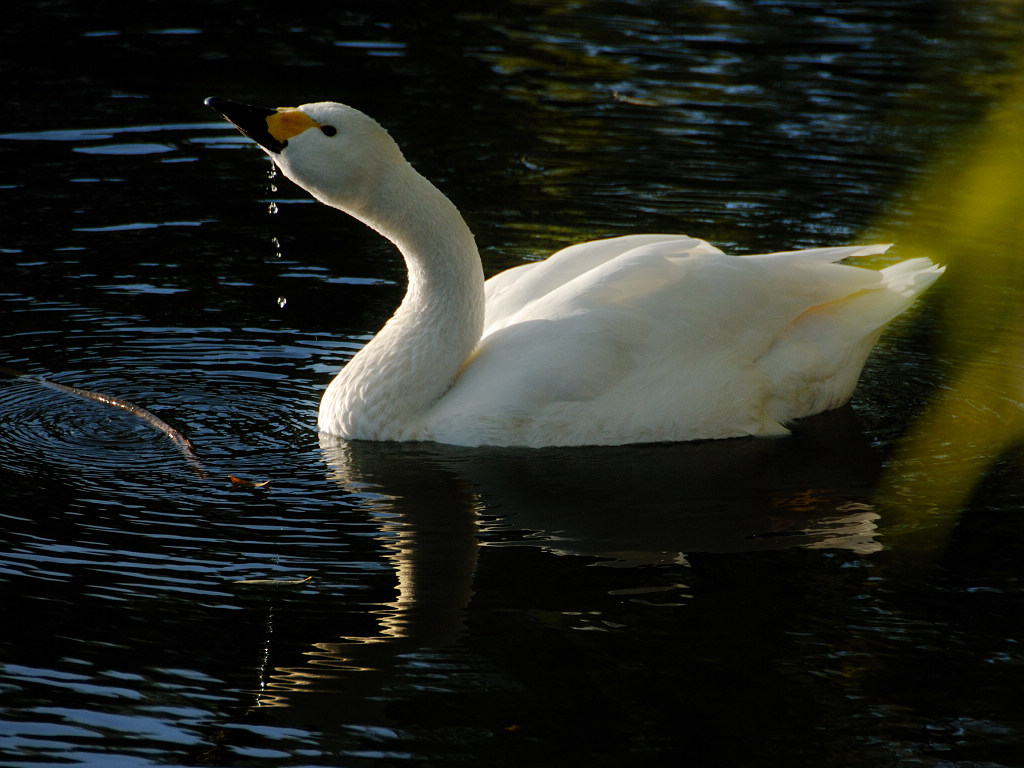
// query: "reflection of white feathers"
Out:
[634,339]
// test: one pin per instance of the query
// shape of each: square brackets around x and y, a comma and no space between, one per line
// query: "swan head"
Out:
[334,152]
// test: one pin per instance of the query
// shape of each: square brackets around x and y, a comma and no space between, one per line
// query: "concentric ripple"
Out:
[39,423]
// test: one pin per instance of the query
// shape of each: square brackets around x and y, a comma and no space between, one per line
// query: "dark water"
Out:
[850,596]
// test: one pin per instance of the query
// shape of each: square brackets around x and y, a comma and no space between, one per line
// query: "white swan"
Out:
[634,339]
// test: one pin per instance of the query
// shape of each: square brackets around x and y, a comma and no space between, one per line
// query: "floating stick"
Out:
[150,418]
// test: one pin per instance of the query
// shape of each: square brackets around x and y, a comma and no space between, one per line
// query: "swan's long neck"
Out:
[385,390]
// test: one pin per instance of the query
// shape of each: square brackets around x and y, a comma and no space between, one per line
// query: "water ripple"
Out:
[38,423]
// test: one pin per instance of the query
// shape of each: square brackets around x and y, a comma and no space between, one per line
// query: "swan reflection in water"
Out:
[440,509]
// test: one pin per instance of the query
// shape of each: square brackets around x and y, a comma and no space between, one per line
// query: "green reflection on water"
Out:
[969,214]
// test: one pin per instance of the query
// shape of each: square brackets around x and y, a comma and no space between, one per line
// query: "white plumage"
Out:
[634,339]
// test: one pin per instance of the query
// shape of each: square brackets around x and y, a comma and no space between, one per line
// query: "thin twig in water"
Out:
[138,411]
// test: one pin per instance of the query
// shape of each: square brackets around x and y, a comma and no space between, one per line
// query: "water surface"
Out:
[850,596]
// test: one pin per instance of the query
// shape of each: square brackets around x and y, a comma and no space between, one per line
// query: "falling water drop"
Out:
[281,301]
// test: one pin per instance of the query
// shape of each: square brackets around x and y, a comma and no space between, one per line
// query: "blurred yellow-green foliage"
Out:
[969,215]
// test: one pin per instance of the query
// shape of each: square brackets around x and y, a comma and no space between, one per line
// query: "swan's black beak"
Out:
[251,121]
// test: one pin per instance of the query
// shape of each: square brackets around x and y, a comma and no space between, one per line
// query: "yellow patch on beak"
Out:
[288,122]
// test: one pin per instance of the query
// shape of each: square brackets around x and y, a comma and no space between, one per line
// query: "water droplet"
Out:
[272,208]
[281,301]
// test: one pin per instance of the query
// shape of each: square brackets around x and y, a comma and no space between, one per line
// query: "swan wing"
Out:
[667,338]
[814,364]
[508,292]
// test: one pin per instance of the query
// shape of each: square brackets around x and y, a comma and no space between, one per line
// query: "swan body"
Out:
[642,338]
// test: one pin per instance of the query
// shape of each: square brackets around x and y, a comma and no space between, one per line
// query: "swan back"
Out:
[665,338]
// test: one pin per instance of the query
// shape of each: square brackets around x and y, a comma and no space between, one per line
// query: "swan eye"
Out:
[328,130]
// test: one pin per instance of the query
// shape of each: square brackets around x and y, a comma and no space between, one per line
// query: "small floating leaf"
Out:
[635,100]
[247,483]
